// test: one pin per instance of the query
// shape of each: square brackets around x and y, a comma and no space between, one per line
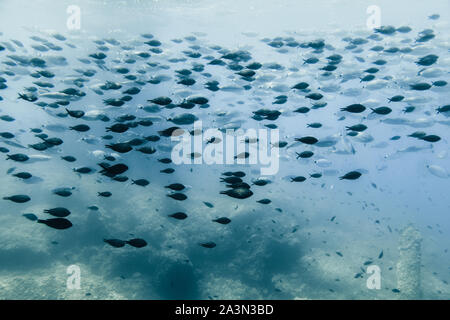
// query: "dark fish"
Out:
[75,113]
[132,91]
[137,243]
[120,147]
[147,150]
[238,185]
[298,179]
[6,135]
[404,29]
[168,170]
[242,155]
[367,78]
[56,223]
[80,128]
[439,83]
[381,110]
[30,216]
[197,100]
[208,245]
[354,108]
[59,212]
[311,60]
[352,175]
[105,194]
[165,160]
[254,66]
[69,158]
[357,127]
[63,192]
[302,110]
[114,170]
[162,101]
[238,174]
[305,154]
[314,125]
[171,131]
[372,70]
[430,138]
[443,109]
[222,220]
[140,182]
[314,96]
[427,60]
[396,98]
[118,128]
[264,201]
[116,243]
[208,204]
[261,182]
[178,215]
[152,138]
[307,140]
[177,196]
[301,86]
[231,179]
[385,30]
[98,56]
[417,134]
[19,198]
[83,170]
[420,86]
[238,193]
[120,178]
[153,43]
[19,157]
[23,175]
[175,186]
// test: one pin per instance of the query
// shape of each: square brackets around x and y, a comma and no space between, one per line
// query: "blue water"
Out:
[314,240]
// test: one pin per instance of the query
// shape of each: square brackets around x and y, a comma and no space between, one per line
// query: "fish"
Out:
[18,198]
[352,175]
[56,223]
